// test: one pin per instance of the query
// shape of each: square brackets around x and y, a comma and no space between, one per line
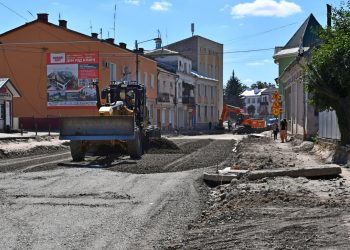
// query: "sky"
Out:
[248,29]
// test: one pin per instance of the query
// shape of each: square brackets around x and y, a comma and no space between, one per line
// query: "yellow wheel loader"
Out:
[122,119]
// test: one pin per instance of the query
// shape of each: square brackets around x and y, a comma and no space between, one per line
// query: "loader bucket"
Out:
[119,127]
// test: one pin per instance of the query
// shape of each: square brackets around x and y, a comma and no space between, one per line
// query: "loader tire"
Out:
[135,146]
[77,150]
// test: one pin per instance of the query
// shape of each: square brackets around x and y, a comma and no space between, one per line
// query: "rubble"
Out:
[274,212]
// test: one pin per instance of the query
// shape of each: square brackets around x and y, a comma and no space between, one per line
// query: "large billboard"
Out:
[69,79]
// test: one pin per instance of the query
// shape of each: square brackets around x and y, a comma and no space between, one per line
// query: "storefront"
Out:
[7,92]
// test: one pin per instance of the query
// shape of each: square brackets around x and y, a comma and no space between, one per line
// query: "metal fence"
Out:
[328,125]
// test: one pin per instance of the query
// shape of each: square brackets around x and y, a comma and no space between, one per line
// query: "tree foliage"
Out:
[251,110]
[233,91]
[327,72]
[262,85]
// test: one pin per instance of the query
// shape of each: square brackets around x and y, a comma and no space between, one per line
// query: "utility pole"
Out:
[137,61]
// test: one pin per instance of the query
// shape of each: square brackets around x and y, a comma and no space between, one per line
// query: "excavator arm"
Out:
[226,110]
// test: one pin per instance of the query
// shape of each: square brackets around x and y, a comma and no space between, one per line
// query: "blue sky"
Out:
[241,25]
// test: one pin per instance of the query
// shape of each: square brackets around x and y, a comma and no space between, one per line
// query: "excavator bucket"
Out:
[120,127]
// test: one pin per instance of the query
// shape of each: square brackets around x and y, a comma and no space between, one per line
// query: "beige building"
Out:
[301,116]
[165,107]
[206,100]
[207,59]
[184,99]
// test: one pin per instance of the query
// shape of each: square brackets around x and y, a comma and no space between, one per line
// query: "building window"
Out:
[2,111]
[152,81]
[199,110]
[253,100]
[248,100]
[112,72]
[212,111]
[145,79]
[199,90]
[163,117]
[139,77]
[205,90]
[212,91]
[185,67]
[151,111]
[205,111]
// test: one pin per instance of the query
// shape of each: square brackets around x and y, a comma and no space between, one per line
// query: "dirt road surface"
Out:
[161,201]
[110,202]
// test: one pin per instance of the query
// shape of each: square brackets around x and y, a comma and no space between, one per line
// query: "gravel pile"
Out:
[191,154]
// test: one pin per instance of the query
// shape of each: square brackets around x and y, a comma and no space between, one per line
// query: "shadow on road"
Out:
[102,162]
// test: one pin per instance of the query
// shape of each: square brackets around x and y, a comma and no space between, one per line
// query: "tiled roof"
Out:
[6,82]
[306,35]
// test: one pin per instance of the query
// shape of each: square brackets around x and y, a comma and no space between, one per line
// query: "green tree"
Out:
[262,85]
[251,110]
[328,70]
[233,91]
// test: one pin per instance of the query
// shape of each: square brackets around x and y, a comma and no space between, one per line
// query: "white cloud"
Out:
[225,7]
[132,2]
[260,63]
[268,61]
[265,8]
[248,82]
[255,64]
[161,6]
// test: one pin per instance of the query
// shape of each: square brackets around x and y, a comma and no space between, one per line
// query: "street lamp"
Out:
[158,41]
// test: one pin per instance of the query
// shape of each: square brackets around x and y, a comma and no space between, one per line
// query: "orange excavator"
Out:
[242,118]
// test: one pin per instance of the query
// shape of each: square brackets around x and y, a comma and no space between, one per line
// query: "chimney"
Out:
[158,42]
[62,23]
[329,16]
[122,45]
[44,17]
[94,35]
[110,40]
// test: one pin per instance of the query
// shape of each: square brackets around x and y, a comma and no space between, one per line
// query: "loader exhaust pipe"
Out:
[98,98]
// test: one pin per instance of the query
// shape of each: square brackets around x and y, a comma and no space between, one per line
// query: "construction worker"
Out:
[283,130]
[275,130]
[229,124]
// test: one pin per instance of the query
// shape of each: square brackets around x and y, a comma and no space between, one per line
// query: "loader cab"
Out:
[119,92]
[131,94]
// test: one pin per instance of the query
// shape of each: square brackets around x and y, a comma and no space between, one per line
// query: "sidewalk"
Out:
[26,135]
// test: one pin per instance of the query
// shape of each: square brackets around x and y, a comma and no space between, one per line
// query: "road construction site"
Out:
[161,200]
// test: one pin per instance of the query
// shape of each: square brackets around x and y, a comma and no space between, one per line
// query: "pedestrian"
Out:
[283,132]
[275,130]
[210,125]
[229,125]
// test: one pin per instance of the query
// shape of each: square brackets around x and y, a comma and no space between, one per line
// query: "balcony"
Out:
[163,97]
[188,100]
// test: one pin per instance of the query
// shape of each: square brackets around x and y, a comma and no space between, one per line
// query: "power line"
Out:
[262,32]
[184,52]
[13,11]
[247,51]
